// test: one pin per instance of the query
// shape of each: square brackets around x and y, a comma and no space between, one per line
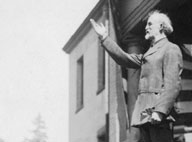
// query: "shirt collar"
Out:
[159,41]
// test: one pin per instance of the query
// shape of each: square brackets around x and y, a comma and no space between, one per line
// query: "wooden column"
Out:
[133,45]
[112,82]
[117,112]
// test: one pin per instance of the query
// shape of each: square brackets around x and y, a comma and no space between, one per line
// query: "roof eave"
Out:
[84,27]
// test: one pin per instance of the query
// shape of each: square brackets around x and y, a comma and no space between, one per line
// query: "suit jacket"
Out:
[160,80]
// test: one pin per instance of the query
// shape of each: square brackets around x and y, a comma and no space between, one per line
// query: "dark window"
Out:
[79,104]
[185,96]
[186,74]
[101,69]
[103,133]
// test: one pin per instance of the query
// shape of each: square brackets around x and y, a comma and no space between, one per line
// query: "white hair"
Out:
[165,21]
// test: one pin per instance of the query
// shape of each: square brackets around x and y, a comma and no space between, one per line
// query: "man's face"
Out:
[152,28]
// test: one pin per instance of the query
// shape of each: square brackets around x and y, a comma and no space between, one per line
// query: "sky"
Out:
[34,70]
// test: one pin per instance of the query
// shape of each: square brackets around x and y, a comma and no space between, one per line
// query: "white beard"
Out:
[148,36]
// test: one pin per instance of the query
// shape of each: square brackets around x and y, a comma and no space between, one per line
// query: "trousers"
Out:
[162,132]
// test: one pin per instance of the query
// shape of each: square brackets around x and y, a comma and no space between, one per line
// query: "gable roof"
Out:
[84,27]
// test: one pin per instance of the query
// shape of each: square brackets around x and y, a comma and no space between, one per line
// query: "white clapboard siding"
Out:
[182,129]
[186,84]
[184,107]
[187,65]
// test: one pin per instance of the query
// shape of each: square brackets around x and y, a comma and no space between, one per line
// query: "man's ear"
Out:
[161,27]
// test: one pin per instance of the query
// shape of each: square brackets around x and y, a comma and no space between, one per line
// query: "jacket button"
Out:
[156,93]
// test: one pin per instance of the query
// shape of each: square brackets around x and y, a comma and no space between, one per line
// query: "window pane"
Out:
[79,84]
[101,69]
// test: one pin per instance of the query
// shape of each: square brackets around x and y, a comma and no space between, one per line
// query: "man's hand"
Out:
[100,29]
[156,118]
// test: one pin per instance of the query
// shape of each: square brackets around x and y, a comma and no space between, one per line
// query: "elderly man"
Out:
[159,82]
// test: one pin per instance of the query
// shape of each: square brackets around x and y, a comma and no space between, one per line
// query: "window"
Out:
[79,99]
[101,69]
[103,132]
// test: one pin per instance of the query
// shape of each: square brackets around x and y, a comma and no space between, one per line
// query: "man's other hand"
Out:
[156,117]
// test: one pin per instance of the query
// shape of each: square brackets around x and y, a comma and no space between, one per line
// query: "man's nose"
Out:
[146,27]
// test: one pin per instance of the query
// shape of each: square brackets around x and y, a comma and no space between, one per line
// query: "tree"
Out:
[2,140]
[39,134]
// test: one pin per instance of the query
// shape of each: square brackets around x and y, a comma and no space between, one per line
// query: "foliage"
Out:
[39,134]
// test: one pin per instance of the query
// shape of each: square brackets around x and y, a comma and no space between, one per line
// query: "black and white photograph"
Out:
[96,71]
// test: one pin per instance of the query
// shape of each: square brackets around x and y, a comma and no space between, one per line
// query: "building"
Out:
[88,93]
[97,113]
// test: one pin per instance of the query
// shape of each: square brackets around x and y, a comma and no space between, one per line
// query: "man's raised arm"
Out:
[122,58]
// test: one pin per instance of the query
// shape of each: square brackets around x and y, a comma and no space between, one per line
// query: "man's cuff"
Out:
[102,38]
[163,110]
[161,113]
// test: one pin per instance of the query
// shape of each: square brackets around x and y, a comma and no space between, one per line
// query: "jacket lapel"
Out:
[156,47]
[150,52]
